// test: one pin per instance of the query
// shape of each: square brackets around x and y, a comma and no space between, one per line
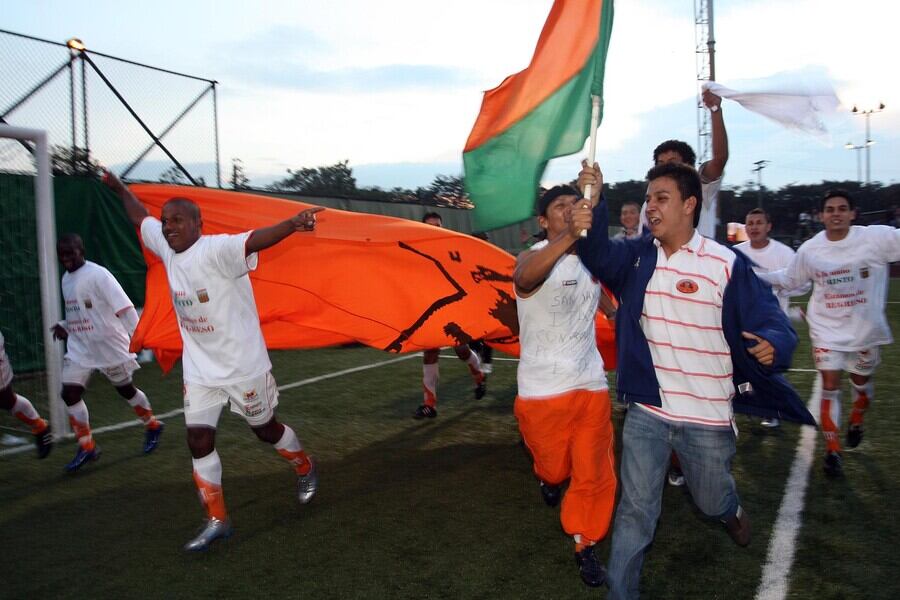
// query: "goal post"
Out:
[48,275]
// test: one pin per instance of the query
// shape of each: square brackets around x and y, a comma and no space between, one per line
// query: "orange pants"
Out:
[571,437]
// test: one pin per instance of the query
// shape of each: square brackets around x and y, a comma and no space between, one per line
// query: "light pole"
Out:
[760,165]
[857,147]
[868,113]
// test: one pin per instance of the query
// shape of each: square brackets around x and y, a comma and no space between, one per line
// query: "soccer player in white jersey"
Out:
[22,408]
[100,320]
[430,357]
[769,255]
[225,360]
[847,324]
[695,331]
[562,404]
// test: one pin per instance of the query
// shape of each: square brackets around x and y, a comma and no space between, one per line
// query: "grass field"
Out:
[445,508]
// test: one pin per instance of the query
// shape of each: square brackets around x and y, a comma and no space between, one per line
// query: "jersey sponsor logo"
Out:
[88,303]
[864,272]
[570,282]
[202,295]
[181,299]
[687,286]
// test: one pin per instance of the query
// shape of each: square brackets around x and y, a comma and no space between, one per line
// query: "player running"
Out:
[225,359]
[100,320]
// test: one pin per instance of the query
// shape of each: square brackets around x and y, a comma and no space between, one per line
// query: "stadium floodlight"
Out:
[49,269]
[76,44]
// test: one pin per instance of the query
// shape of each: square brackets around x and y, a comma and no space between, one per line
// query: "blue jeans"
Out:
[647,442]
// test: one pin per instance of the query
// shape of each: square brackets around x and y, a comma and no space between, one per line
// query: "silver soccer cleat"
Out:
[308,485]
[213,530]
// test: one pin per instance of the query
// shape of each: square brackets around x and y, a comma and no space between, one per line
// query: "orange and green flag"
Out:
[537,114]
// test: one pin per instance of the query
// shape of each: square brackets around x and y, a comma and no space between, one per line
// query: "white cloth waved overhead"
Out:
[799,105]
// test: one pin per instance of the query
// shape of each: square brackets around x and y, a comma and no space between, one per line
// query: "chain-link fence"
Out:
[143,122]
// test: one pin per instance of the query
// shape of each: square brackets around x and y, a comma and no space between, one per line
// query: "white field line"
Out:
[783,544]
[178,411]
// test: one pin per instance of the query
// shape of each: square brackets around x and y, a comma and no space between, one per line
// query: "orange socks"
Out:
[24,411]
[208,478]
[862,395]
[289,447]
[143,410]
[830,416]
[81,425]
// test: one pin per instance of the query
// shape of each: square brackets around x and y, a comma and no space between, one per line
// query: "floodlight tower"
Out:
[706,71]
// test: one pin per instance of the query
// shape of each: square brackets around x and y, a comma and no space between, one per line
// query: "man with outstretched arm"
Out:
[697,336]
[225,359]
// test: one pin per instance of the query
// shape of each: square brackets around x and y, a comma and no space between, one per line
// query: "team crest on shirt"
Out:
[687,286]
[202,295]
[88,303]
[864,272]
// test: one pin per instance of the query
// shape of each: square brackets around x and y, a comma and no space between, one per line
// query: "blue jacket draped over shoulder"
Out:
[626,266]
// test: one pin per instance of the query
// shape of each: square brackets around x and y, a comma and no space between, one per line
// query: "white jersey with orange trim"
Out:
[682,321]
[557,335]
[846,309]
[213,298]
[97,337]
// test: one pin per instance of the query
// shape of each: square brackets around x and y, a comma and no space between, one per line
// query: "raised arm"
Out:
[266,237]
[133,207]
[714,167]
[795,276]
[533,266]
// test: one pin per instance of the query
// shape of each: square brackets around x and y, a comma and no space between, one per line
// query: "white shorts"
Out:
[254,399]
[6,372]
[861,362]
[118,375]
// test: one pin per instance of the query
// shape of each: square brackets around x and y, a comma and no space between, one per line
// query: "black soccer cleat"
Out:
[854,436]
[44,442]
[592,572]
[425,412]
[833,464]
[481,388]
[551,494]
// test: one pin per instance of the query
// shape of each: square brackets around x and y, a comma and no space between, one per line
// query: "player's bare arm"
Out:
[133,207]
[267,237]
[533,266]
[713,168]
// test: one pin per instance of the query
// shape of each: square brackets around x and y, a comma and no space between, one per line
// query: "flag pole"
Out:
[592,146]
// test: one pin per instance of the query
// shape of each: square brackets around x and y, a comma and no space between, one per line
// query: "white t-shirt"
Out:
[772,257]
[682,321]
[846,309]
[557,336]
[97,337]
[213,298]
[709,208]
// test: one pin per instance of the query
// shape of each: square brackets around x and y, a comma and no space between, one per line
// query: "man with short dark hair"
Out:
[694,327]
[847,265]
[630,218]
[225,359]
[711,171]
[769,255]
[430,368]
[100,320]
[562,403]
